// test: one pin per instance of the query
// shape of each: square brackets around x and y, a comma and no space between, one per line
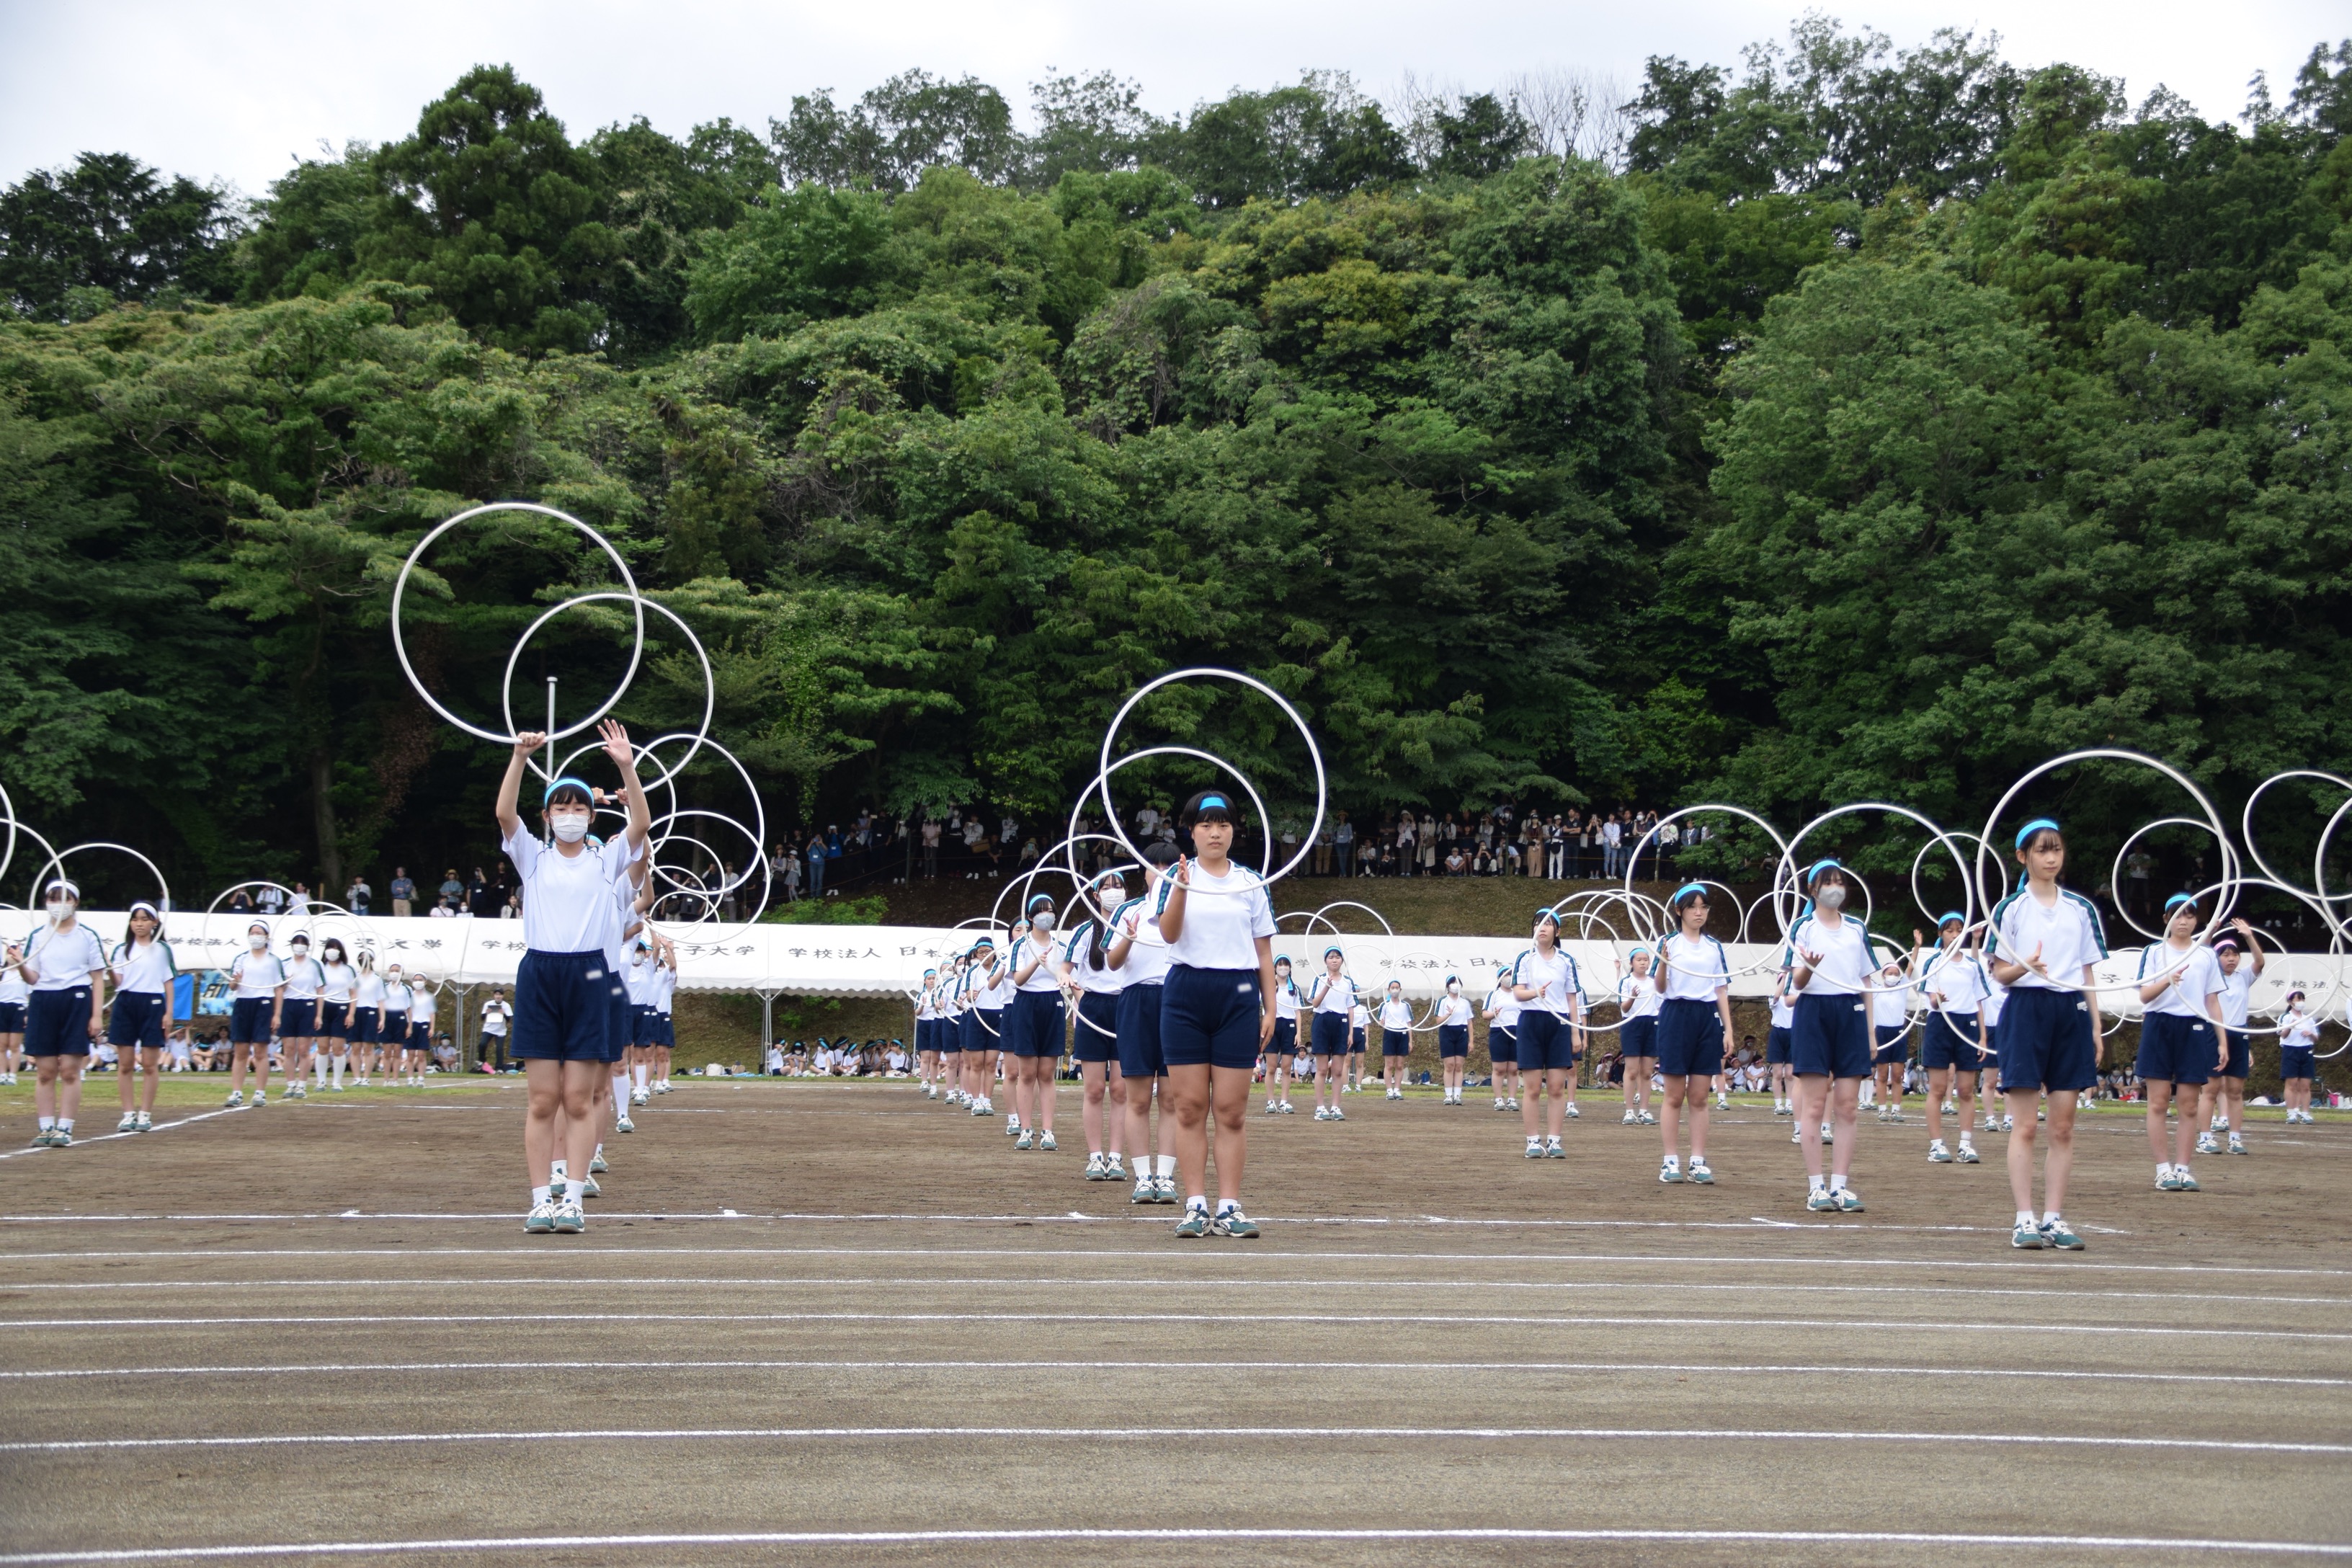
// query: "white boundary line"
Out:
[869,1320]
[1113,1283]
[1301,1533]
[110,1137]
[1065,1217]
[2006,1264]
[1177,1434]
[1709,1368]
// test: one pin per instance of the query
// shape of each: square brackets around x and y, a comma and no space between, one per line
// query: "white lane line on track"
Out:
[1203,1534]
[1711,1369]
[1179,1434]
[829,1281]
[110,1137]
[1064,1217]
[1906,1325]
[2008,1263]
[1831,1538]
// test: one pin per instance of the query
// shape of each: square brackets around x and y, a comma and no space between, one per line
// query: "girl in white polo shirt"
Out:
[1396,1040]
[2180,1042]
[1279,1055]
[1694,1022]
[297,1014]
[2043,943]
[1502,1015]
[1216,1009]
[257,981]
[1034,1032]
[335,982]
[563,1009]
[1453,1037]
[1638,1000]
[1833,973]
[64,963]
[1551,1006]
[1330,1003]
[143,1011]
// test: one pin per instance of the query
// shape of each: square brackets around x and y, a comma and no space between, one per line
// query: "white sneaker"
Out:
[1574,1114]
[236,1098]
[1938,1155]
[1631,1121]
[1827,1133]
[623,1124]
[1322,1113]
[260,1097]
[129,1123]
[1535,1149]
[641,1097]
[146,1123]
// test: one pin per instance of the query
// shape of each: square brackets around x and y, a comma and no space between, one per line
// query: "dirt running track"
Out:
[320,1328]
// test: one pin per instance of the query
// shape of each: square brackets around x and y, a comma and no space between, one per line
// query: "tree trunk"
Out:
[322,820]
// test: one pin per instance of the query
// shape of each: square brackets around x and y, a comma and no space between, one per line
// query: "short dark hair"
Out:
[1208,805]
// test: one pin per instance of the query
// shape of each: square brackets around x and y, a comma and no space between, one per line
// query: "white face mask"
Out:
[570,828]
[1832,897]
[58,909]
[1453,988]
[1041,924]
[302,950]
[258,944]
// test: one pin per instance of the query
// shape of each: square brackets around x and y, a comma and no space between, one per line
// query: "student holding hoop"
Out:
[571,924]
[1037,1031]
[1545,984]
[1830,1042]
[2181,1045]
[1694,1022]
[1216,1011]
[143,1011]
[1453,1038]
[64,964]
[1638,1001]
[1329,1006]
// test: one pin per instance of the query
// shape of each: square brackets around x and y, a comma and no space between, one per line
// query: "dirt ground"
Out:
[837,1323]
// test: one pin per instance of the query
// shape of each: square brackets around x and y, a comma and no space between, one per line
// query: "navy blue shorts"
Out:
[2176,1049]
[56,1022]
[1329,1036]
[1690,1037]
[1502,1044]
[665,1031]
[1396,1042]
[136,1019]
[392,1031]
[297,1018]
[1894,1043]
[2295,1061]
[563,1008]
[1547,1042]
[986,1031]
[420,1035]
[1777,1046]
[1096,1039]
[1209,1016]
[1830,1036]
[1950,1040]
[1356,1042]
[2241,1053]
[367,1025]
[1639,1038]
[641,1024]
[1452,1040]
[248,1021]
[1285,1037]
[1036,1025]
[2047,1042]
[12,1017]
[1139,1033]
[335,1020]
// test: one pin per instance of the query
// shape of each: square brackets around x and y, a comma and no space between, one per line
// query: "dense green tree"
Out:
[75,241]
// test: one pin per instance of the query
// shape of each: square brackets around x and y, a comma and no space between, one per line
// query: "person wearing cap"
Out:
[2298,1042]
[1502,1015]
[1286,1040]
[2180,1039]
[1550,996]
[1035,1031]
[1694,1022]
[142,969]
[1835,975]
[1216,1009]
[63,965]
[1952,1046]
[1087,971]
[564,987]
[257,987]
[1638,1001]
[1329,1004]
[1453,1038]
[1139,954]
[2222,1106]
[2043,941]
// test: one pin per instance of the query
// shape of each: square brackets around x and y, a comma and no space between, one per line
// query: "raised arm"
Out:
[510,787]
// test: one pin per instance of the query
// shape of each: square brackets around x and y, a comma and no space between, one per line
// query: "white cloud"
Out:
[235,91]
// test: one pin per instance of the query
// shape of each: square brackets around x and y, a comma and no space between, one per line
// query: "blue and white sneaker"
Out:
[541,1219]
[1702,1172]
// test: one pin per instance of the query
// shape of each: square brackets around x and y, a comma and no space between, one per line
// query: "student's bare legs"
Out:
[1192,1087]
[57,1086]
[1138,1109]
[1095,1078]
[2059,1165]
[1815,1093]
[2161,1094]
[1938,1079]
[1681,1092]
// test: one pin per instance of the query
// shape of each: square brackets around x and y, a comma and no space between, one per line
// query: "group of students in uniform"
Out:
[1176,994]
[2017,1008]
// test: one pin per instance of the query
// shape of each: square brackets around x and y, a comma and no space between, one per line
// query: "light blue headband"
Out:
[1685,889]
[580,785]
[1813,872]
[1042,901]
[1641,952]
[1547,914]
[1943,921]
[1215,802]
[2177,900]
[2026,833]
[1330,950]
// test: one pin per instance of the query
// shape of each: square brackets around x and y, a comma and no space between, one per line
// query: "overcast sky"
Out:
[233,90]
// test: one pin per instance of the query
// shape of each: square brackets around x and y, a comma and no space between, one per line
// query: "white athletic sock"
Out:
[1167,1166]
[600,1149]
[48,1123]
[620,1092]
[1815,1183]
[2163,1167]
[2051,1217]
[557,1169]
[1197,1201]
[1674,1162]
[1226,1206]
[538,1197]
[572,1190]
[2025,1218]
[65,1123]
[638,1072]
[1837,1184]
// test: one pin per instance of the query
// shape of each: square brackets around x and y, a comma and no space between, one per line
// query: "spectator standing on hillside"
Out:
[403,892]
[815,852]
[1343,838]
[272,900]
[1612,836]
[356,896]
